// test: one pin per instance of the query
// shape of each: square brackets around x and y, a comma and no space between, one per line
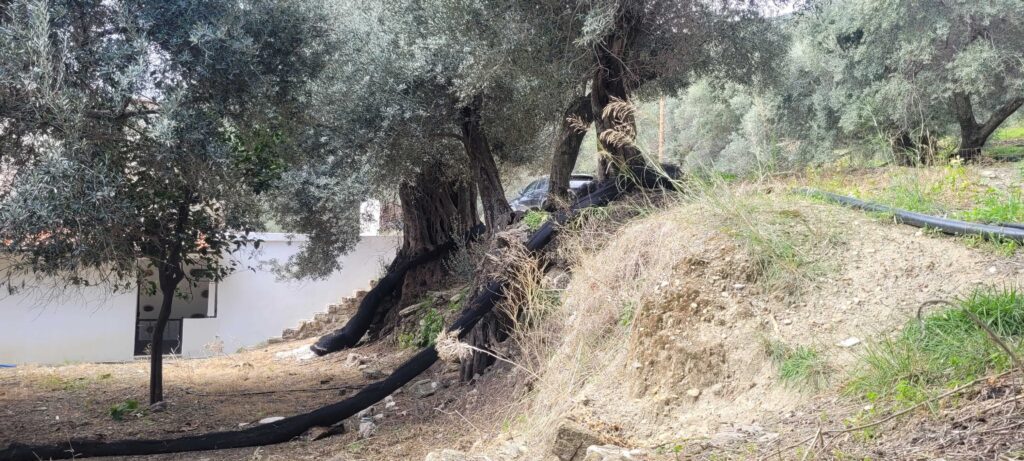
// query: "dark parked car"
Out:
[534,195]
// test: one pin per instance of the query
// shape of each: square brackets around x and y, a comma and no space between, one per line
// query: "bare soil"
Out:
[54,404]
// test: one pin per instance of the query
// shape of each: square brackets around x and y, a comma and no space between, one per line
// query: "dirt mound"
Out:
[677,308]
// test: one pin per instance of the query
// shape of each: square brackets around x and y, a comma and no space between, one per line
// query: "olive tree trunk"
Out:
[435,210]
[577,118]
[610,91]
[168,285]
[170,273]
[497,212]
[974,135]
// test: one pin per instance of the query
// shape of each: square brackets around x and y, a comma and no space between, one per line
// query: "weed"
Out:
[534,219]
[356,446]
[406,340]
[994,244]
[119,411]
[57,383]
[941,350]
[997,207]
[799,366]
[780,243]
[628,311]
[430,326]
[913,195]
[1005,151]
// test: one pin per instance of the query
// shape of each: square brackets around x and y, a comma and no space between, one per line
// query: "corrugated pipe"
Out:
[1013,232]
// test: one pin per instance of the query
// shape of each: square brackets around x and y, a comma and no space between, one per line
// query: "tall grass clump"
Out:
[800,366]
[787,249]
[943,349]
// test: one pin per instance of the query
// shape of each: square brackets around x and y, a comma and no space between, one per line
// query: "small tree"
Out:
[140,136]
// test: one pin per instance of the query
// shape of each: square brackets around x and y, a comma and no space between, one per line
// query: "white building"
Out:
[250,306]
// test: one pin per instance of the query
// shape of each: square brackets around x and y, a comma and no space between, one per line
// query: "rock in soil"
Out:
[354,360]
[572,440]
[424,388]
[367,428]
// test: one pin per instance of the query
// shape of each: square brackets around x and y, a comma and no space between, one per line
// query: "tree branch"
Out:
[1000,115]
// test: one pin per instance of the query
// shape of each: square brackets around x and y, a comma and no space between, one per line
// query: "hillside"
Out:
[728,322]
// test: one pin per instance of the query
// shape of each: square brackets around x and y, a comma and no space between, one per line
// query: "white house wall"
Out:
[255,306]
[87,324]
[95,325]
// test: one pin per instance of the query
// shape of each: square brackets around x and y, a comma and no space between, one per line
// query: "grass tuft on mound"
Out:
[800,366]
[942,350]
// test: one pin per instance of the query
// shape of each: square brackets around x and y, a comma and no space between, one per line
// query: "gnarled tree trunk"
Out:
[577,118]
[974,135]
[435,210]
[438,215]
[497,212]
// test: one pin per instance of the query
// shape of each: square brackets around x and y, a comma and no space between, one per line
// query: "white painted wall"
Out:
[88,324]
[255,306]
[252,306]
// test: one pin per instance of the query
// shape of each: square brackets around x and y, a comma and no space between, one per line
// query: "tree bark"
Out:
[497,212]
[614,82]
[567,150]
[435,211]
[438,216]
[170,273]
[974,135]
[156,352]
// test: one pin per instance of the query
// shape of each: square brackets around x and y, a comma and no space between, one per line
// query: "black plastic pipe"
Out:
[946,225]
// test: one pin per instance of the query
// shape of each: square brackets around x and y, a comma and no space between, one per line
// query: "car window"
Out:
[536,186]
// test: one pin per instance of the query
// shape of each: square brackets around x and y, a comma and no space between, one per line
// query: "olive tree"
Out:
[924,67]
[138,136]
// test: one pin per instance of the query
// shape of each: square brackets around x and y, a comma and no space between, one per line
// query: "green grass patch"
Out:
[1005,151]
[119,411]
[800,366]
[627,313]
[425,335]
[943,350]
[1009,133]
[994,206]
[534,219]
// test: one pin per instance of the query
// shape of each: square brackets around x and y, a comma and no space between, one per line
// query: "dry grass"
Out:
[574,336]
